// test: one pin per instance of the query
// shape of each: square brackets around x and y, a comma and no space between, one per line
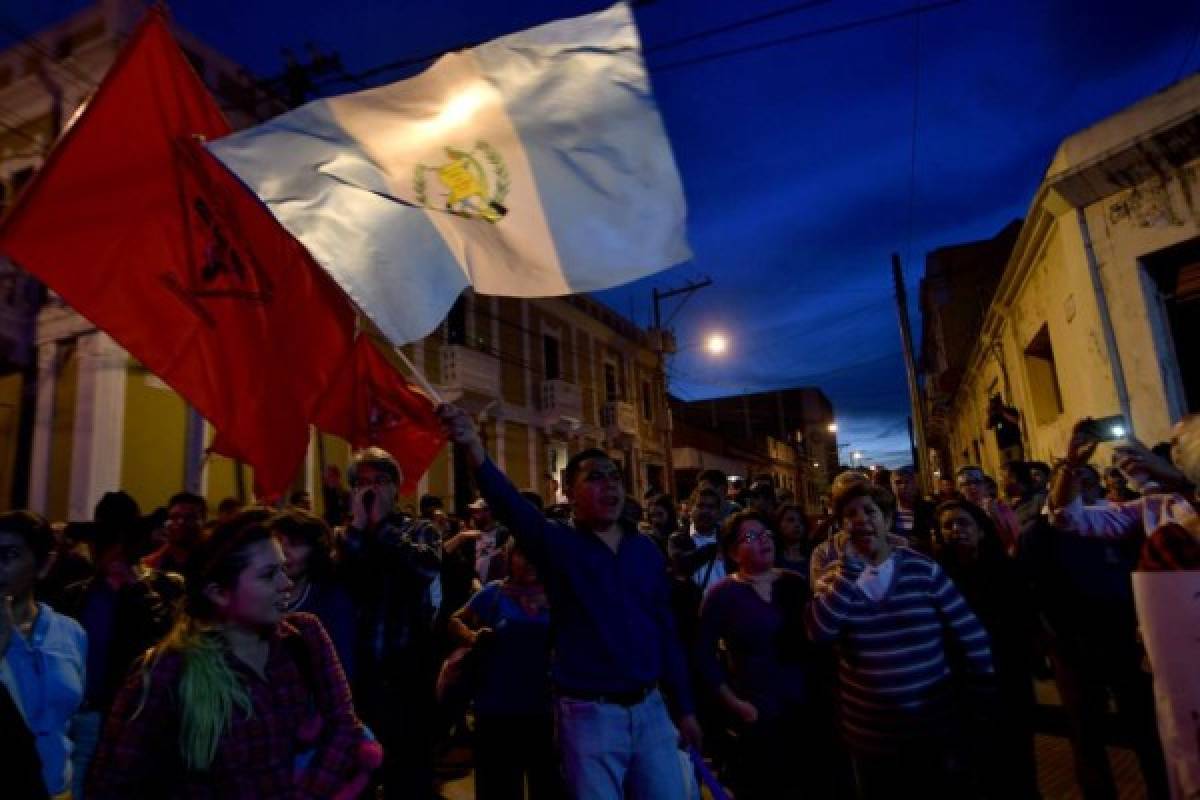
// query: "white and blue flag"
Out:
[533,165]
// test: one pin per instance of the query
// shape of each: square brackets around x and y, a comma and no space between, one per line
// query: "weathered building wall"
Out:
[1078,326]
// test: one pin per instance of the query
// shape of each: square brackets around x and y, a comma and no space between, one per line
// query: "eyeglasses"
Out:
[750,537]
[378,480]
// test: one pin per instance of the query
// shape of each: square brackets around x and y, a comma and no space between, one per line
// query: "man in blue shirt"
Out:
[614,637]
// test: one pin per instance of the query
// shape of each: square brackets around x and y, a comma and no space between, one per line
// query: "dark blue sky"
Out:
[796,158]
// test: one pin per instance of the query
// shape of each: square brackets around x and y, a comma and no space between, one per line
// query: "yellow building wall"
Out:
[439,477]
[1121,242]
[568,354]
[586,377]
[62,435]
[433,356]
[516,454]
[222,480]
[482,305]
[152,458]
[512,355]
[537,358]
[1058,293]
[10,415]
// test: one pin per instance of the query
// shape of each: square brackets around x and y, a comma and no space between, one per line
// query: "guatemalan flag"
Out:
[533,165]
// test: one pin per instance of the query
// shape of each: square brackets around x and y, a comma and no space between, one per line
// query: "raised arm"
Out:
[1067,511]
[1064,487]
[524,520]
[834,597]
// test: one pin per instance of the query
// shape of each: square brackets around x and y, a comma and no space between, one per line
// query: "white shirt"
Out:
[718,564]
[876,578]
[1121,520]
[485,548]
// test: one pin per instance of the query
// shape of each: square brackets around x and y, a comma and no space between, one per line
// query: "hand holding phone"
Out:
[1107,429]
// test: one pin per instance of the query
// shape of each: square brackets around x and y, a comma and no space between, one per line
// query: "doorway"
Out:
[1176,275]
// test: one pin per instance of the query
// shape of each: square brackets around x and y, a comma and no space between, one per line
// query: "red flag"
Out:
[149,237]
[370,403]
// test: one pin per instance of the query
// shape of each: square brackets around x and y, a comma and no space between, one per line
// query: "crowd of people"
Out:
[598,648]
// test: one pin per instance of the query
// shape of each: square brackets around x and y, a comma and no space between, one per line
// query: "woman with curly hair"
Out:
[240,699]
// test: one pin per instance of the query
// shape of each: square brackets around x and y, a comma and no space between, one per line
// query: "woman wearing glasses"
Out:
[757,615]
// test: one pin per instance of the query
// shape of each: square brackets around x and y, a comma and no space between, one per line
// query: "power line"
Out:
[796,37]
[733,26]
[686,39]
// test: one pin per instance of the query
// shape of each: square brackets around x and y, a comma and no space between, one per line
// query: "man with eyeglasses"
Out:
[615,642]
[971,485]
[392,566]
[186,514]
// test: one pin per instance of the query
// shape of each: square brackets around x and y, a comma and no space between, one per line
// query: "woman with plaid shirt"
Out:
[240,700]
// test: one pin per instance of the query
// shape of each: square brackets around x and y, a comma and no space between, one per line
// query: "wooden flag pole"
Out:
[420,378]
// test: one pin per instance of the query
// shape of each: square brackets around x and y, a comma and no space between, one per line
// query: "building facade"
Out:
[546,378]
[955,294]
[789,434]
[46,351]
[543,378]
[1097,310]
[79,417]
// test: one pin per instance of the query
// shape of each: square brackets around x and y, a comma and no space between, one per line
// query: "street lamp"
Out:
[832,428]
[716,344]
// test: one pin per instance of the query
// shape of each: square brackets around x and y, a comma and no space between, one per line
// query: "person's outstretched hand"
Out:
[461,430]
[1082,445]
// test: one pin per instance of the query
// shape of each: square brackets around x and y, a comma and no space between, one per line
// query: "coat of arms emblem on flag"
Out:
[474,183]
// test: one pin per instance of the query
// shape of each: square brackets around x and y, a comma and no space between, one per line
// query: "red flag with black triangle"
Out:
[144,233]
[371,403]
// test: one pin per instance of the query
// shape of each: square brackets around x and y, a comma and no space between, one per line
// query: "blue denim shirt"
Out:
[45,676]
[610,612]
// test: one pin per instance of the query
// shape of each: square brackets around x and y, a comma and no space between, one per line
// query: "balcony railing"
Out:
[465,369]
[619,419]
[561,400]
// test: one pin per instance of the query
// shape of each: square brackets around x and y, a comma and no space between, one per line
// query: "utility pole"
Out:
[660,346]
[910,366]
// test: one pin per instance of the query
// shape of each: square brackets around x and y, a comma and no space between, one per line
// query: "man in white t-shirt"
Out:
[696,554]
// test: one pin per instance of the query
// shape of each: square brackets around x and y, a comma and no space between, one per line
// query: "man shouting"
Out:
[615,642]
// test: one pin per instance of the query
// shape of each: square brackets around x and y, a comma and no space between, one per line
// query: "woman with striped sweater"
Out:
[906,642]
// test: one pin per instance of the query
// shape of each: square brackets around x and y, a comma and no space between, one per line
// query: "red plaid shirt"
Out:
[139,755]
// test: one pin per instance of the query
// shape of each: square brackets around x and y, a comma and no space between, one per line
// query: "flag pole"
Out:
[420,378]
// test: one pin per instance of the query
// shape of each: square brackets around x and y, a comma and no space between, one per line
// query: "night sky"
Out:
[797,158]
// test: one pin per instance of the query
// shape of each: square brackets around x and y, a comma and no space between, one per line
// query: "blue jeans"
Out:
[611,752]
